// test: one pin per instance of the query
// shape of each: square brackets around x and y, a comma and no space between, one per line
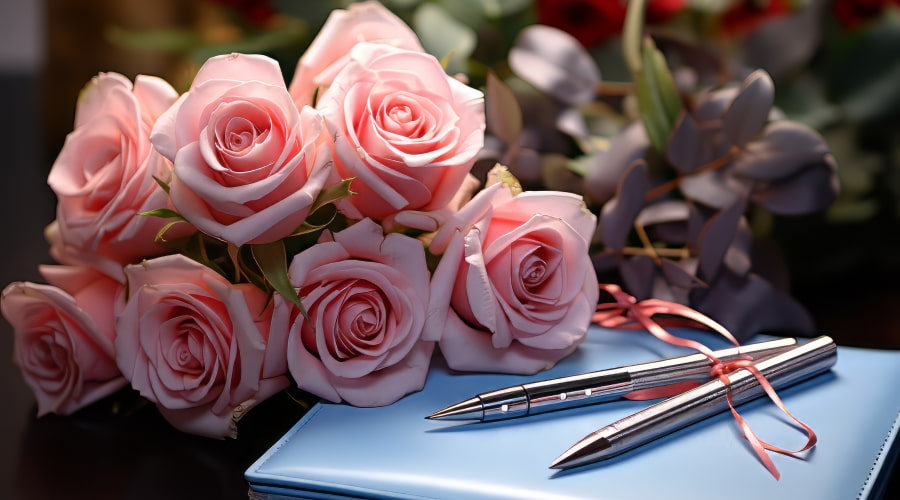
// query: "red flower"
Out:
[589,21]
[748,15]
[660,11]
[853,13]
[255,12]
[595,21]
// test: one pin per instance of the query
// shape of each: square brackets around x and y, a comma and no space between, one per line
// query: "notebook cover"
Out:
[338,451]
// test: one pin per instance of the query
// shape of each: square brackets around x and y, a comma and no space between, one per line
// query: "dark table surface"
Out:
[135,454]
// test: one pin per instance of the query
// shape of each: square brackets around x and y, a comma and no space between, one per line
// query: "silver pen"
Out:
[667,416]
[594,387]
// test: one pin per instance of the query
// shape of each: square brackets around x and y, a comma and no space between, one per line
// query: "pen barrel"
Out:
[709,399]
[606,385]
[577,390]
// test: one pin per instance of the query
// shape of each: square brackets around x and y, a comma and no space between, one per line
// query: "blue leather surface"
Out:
[338,451]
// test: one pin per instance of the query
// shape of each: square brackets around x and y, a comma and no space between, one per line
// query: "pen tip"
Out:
[469,409]
[589,449]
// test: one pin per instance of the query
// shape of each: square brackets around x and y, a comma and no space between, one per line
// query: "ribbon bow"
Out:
[627,312]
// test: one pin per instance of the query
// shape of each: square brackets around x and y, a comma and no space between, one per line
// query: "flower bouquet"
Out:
[222,244]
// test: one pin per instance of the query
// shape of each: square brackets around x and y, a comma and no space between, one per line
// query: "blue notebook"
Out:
[341,452]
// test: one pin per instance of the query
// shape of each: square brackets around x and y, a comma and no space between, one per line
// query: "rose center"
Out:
[186,352]
[240,134]
[539,268]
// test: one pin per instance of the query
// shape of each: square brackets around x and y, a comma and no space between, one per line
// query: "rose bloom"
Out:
[366,296]
[329,51]
[197,345]
[405,130]
[248,164]
[64,339]
[515,288]
[104,176]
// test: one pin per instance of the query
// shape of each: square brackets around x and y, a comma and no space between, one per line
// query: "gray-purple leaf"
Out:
[737,258]
[713,188]
[493,148]
[750,305]
[525,164]
[711,106]
[503,114]
[749,111]
[571,122]
[618,215]
[602,175]
[638,274]
[812,190]
[681,274]
[668,220]
[663,212]
[556,63]
[688,148]
[717,236]
[785,148]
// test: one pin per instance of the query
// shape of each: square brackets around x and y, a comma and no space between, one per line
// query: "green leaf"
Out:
[162,40]
[659,103]
[332,194]
[163,184]
[165,213]
[325,198]
[272,260]
[441,35]
[632,33]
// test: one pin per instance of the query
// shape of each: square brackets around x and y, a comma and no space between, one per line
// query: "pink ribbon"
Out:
[627,312]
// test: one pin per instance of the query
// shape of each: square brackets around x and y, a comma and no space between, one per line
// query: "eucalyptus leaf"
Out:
[555,63]
[785,149]
[638,274]
[504,116]
[749,111]
[602,171]
[717,236]
[618,215]
[678,276]
[812,190]
[713,188]
[750,305]
[272,260]
[687,148]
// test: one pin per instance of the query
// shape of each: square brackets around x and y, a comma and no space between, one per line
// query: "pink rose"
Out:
[405,130]
[330,49]
[366,296]
[197,345]
[64,340]
[515,288]
[104,176]
[248,164]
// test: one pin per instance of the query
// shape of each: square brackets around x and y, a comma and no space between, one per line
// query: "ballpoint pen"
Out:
[598,386]
[667,416]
